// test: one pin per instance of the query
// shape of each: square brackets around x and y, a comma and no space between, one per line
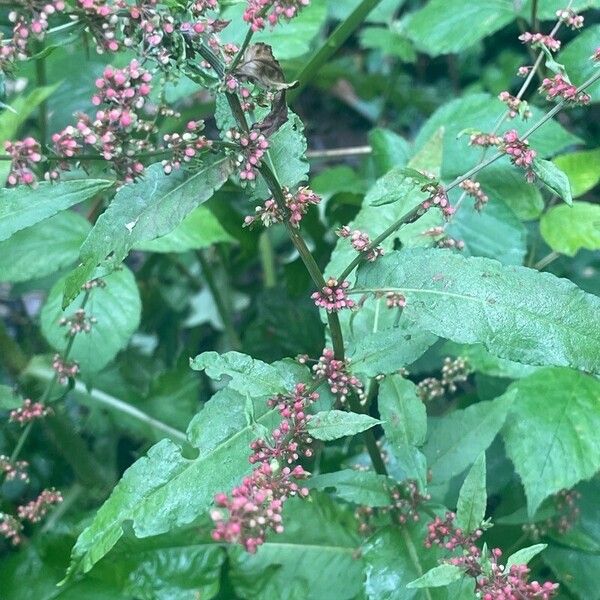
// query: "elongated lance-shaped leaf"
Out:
[334,424]
[23,206]
[515,312]
[472,499]
[143,211]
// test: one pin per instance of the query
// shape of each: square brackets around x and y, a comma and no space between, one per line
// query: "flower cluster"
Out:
[450,243]
[296,206]
[484,140]
[255,506]
[78,323]
[473,189]
[519,152]
[252,147]
[395,300]
[333,296]
[64,370]
[30,411]
[24,155]
[539,39]
[511,584]
[437,197]
[406,500]
[454,371]
[37,509]
[570,18]
[361,243]
[340,381]
[260,12]
[560,87]
[183,148]
[515,105]
[10,529]
[567,514]
[14,471]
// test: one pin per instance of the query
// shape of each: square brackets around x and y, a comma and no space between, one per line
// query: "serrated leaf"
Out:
[405,426]
[516,313]
[481,112]
[248,375]
[143,211]
[456,440]
[552,437]
[315,558]
[360,487]
[553,178]
[388,150]
[116,308]
[44,248]
[523,556]
[22,206]
[165,490]
[472,499]
[437,577]
[199,229]
[387,351]
[334,424]
[568,229]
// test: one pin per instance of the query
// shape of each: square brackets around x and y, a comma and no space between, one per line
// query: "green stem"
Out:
[40,72]
[335,41]
[112,404]
[222,307]
[267,259]
[534,16]
[414,557]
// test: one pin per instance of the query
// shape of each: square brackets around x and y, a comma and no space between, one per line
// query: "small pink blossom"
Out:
[559,87]
[260,12]
[252,147]
[29,411]
[341,382]
[333,296]
[515,106]
[37,509]
[14,470]
[473,188]
[570,18]
[361,242]
[539,39]
[10,529]
[518,150]
[79,322]
[24,155]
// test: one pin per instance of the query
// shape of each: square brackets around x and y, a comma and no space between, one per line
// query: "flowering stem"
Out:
[267,259]
[40,71]
[340,34]
[220,303]
[413,215]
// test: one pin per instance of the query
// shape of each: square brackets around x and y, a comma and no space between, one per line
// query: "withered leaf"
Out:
[258,65]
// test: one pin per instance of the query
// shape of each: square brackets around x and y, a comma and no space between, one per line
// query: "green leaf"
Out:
[495,232]
[547,8]
[248,376]
[481,112]
[334,424]
[289,39]
[581,168]
[22,206]
[568,229]
[388,150]
[315,558]
[390,40]
[21,108]
[387,351]
[524,555]
[43,248]
[553,178]
[576,57]
[405,426]
[286,157]
[9,399]
[578,570]
[456,440]
[199,229]
[360,487]
[552,436]
[516,313]
[472,500]
[448,26]
[116,308]
[437,577]
[143,211]
[165,489]
[501,181]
